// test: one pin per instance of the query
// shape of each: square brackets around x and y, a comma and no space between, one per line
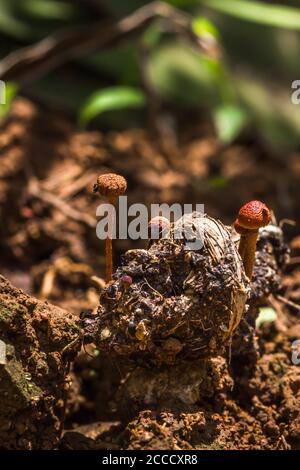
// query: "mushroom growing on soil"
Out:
[252,216]
[271,259]
[110,186]
[183,308]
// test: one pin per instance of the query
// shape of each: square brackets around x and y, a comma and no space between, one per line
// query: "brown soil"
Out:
[49,249]
[40,341]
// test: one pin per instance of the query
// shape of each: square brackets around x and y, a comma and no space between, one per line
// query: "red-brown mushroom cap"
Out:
[252,216]
[126,280]
[110,185]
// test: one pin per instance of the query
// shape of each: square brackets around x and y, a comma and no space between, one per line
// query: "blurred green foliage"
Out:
[266,315]
[229,121]
[277,15]
[9,92]
[109,99]
[249,87]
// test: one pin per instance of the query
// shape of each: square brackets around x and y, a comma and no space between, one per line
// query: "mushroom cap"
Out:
[252,216]
[127,280]
[158,225]
[110,185]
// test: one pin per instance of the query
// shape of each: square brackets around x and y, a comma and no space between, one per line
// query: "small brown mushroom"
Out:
[110,186]
[252,216]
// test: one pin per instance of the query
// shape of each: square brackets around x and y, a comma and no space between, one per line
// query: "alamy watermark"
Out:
[295,96]
[132,222]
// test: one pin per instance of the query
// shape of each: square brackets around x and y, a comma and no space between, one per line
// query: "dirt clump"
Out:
[181,304]
[38,342]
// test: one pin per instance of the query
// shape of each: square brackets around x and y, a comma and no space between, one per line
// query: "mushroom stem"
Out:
[247,251]
[109,260]
[108,245]
[110,186]
[242,246]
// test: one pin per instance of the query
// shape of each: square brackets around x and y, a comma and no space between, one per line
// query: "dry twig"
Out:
[49,198]
[33,61]
[287,302]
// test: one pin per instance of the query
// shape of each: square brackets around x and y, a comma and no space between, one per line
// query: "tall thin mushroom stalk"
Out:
[110,186]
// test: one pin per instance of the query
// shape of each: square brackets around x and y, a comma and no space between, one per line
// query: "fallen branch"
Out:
[287,302]
[295,260]
[33,61]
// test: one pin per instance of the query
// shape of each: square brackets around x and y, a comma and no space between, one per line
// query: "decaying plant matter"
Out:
[181,305]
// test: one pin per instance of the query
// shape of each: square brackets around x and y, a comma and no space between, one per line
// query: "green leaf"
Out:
[271,15]
[266,315]
[8,92]
[203,27]
[109,99]
[229,120]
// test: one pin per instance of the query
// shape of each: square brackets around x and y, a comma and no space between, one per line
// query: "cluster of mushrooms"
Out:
[168,304]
